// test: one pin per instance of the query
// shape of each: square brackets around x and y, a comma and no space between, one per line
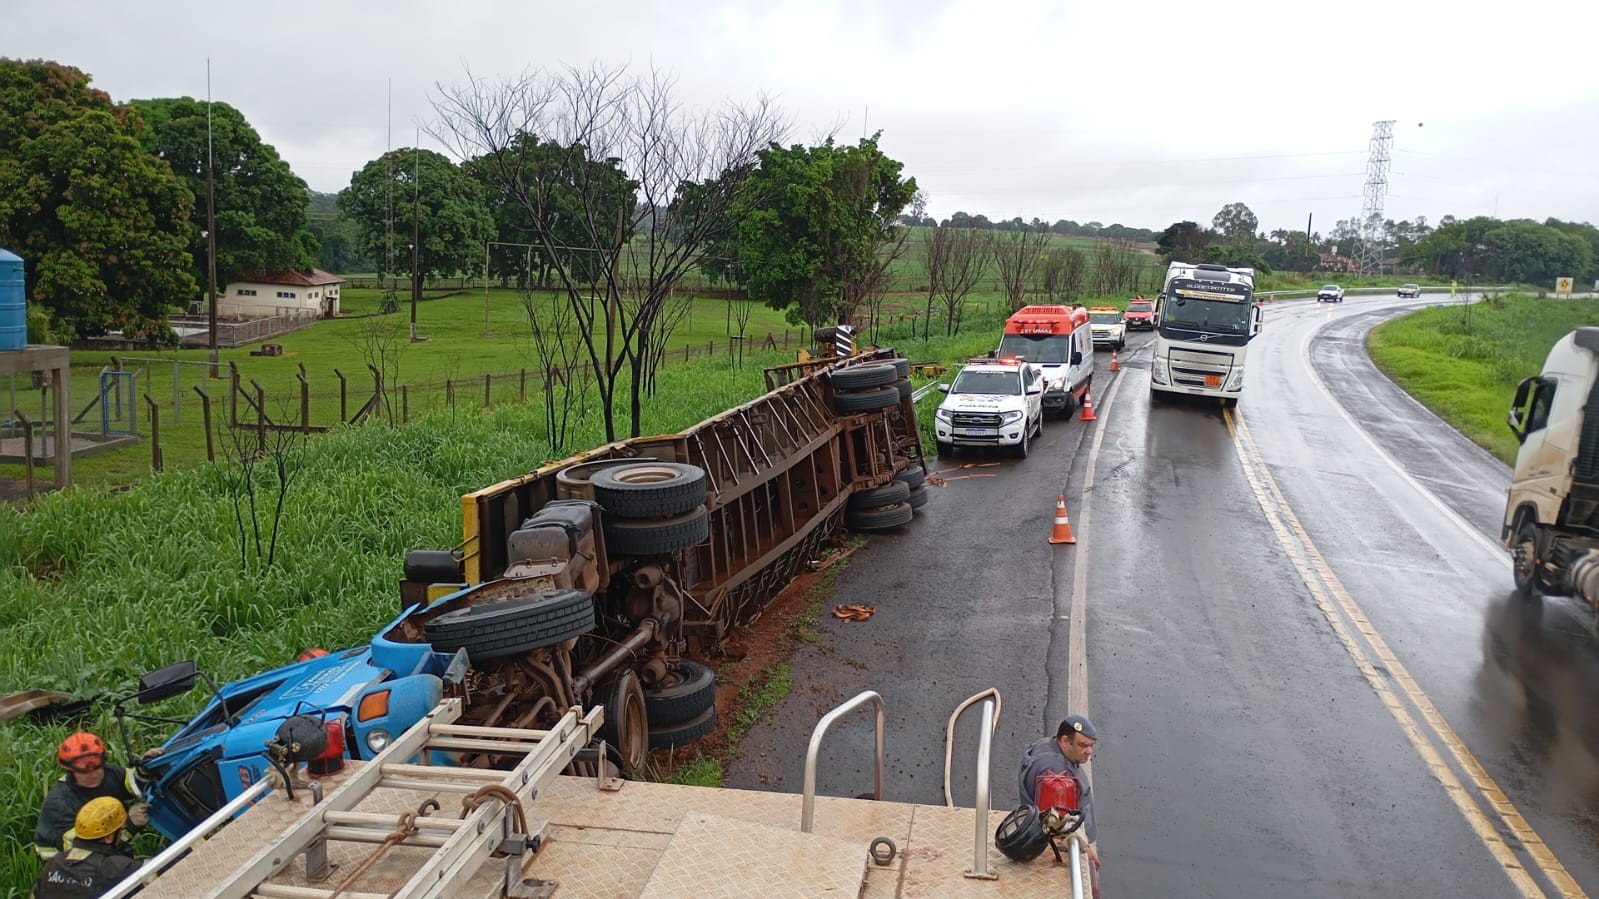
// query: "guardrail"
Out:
[1312,291]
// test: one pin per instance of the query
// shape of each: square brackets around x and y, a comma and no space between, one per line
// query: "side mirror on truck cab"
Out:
[164,683]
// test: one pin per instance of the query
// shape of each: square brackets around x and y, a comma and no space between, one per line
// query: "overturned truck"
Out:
[590,582]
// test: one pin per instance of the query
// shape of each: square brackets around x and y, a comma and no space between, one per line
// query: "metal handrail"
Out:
[808,812]
[991,708]
[1076,839]
[151,870]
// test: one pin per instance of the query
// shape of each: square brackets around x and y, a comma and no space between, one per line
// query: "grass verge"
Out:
[1464,361]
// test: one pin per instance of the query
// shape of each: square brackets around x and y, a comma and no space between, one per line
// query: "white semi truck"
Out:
[1551,524]
[1207,317]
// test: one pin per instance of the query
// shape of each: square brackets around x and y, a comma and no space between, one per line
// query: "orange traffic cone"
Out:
[1088,408]
[1063,526]
[1115,361]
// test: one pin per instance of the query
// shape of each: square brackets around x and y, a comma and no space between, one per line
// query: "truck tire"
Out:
[861,376]
[902,366]
[1524,561]
[914,476]
[875,497]
[906,391]
[918,498]
[627,723]
[649,489]
[944,449]
[879,519]
[635,537]
[669,736]
[687,698]
[514,625]
[866,400]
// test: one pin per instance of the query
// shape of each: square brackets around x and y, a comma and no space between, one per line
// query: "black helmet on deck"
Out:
[1021,835]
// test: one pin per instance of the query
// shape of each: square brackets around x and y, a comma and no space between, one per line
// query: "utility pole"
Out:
[210,226]
[416,231]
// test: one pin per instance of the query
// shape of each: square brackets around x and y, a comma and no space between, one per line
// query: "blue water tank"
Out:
[13,305]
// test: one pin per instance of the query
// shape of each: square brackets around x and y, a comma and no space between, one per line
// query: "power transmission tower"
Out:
[1371,233]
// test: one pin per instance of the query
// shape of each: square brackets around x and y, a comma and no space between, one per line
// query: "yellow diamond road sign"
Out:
[1563,287]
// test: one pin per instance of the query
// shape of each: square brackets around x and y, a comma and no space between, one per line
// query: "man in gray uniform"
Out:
[1070,749]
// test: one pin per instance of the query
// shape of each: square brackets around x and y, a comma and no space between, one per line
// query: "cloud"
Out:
[1143,114]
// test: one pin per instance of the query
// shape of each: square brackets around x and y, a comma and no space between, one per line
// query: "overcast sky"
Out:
[1142,113]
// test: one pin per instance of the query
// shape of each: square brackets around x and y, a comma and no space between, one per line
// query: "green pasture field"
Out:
[1464,361]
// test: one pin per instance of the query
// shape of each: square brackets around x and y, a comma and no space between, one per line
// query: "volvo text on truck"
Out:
[1207,317]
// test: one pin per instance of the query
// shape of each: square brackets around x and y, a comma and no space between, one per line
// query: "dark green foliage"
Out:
[260,202]
[102,224]
[812,222]
[450,213]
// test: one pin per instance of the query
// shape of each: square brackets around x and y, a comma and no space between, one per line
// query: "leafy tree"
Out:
[1236,253]
[812,224]
[260,202]
[1235,220]
[1589,235]
[451,218]
[102,224]
[1182,240]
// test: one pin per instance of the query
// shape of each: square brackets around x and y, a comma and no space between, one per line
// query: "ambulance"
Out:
[1058,340]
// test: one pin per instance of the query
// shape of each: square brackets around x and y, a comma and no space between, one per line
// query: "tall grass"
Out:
[1464,361]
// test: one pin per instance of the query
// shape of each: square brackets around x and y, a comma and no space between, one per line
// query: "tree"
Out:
[814,227]
[1234,221]
[1182,241]
[260,203]
[965,256]
[102,224]
[1017,254]
[684,167]
[451,219]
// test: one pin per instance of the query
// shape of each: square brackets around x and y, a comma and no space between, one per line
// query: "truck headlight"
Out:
[1012,417]
[942,415]
[1236,380]
[1157,372]
[377,739]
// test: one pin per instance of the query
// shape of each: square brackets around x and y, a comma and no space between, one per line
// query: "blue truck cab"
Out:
[374,692]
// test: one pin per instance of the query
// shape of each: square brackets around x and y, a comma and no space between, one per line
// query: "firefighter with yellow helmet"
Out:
[95,859]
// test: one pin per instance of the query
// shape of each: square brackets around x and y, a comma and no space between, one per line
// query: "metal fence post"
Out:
[205,416]
[155,433]
[344,414]
[27,448]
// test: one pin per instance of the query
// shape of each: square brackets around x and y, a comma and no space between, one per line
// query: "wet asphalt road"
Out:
[1303,657]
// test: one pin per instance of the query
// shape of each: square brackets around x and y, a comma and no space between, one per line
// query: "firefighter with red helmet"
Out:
[88,777]
[1065,753]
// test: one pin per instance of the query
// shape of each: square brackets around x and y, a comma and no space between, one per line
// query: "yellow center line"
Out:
[1534,846]
[1320,581]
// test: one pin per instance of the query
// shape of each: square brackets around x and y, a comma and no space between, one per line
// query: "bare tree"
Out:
[869,288]
[1117,268]
[558,353]
[1016,253]
[967,257]
[934,258]
[246,448]
[555,142]
[678,307]
[1061,274]
[380,340]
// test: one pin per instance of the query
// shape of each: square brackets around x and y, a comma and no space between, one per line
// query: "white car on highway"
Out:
[993,402]
[1330,293]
